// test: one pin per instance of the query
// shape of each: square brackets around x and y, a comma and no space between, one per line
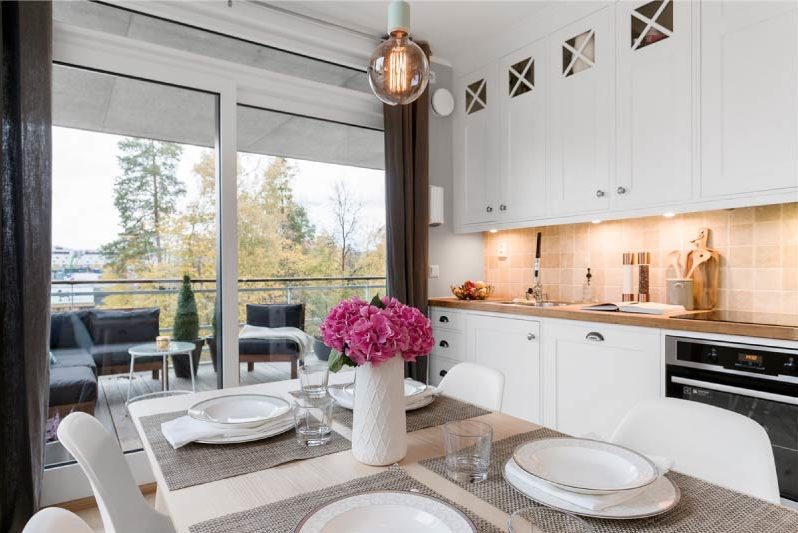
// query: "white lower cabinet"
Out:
[594,373]
[438,367]
[511,346]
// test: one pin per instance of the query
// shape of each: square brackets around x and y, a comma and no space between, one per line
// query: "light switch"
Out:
[434,271]
[501,249]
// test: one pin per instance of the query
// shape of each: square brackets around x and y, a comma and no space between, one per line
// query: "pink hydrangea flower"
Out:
[370,334]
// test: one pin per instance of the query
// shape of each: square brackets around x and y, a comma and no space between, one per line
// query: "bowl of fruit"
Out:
[472,290]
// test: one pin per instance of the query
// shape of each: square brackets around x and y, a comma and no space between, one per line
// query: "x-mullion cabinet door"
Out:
[522,83]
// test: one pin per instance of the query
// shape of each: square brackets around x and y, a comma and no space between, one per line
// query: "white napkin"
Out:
[595,502]
[184,429]
[345,400]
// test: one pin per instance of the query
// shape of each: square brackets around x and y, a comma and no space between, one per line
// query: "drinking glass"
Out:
[313,419]
[545,520]
[467,444]
[313,378]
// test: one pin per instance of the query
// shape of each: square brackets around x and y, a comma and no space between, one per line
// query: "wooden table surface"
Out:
[202,502]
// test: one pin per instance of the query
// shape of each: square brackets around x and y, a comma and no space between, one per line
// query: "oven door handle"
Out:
[735,390]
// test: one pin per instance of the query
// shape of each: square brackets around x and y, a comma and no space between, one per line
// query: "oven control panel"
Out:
[739,357]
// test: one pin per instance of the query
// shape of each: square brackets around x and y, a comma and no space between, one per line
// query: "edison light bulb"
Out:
[398,68]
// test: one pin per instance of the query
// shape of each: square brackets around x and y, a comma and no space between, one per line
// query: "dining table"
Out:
[213,500]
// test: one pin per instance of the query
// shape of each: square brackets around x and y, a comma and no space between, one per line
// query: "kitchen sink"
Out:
[527,303]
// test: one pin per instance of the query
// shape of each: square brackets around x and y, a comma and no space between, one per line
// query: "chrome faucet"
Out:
[536,291]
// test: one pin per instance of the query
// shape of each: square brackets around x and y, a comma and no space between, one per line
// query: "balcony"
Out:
[319,294]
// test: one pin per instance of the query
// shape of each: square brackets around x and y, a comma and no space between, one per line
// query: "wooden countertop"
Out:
[574,312]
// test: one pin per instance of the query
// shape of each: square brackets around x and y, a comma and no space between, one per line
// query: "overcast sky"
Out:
[84,168]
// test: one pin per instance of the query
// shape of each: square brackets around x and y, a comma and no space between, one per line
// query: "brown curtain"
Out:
[25,155]
[407,205]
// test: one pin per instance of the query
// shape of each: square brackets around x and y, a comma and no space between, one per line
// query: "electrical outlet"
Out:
[434,271]
[501,249]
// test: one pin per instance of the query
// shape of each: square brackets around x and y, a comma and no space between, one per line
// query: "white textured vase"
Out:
[379,435]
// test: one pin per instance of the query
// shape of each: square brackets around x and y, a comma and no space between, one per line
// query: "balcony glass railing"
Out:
[318,294]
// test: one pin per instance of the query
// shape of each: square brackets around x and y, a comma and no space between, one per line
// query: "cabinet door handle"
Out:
[599,193]
[443,344]
[442,373]
[443,319]
[502,207]
[530,336]
[489,209]
[594,336]
[621,190]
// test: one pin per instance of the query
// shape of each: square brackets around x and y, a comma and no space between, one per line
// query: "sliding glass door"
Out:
[311,231]
[134,246]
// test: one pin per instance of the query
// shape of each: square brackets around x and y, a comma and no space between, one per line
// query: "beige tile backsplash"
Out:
[758,248]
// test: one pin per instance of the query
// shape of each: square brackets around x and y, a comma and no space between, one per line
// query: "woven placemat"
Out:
[285,515]
[194,464]
[443,409]
[704,507]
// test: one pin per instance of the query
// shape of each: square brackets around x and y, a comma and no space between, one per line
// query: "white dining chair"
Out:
[710,443]
[121,504]
[56,520]
[475,384]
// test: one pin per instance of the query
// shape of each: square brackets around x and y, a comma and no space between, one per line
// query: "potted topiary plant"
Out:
[186,328]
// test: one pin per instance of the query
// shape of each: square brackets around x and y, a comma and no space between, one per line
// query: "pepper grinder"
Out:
[628,277]
[643,267]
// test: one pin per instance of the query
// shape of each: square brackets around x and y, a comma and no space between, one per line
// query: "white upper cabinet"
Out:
[749,97]
[582,68]
[654,103]
[635,108]
[476,146]
[522,118]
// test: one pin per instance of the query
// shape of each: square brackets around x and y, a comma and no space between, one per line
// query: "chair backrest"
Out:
[710,443]
[121,504]
[56,520]
[475,384]
[124,326]
[276,315]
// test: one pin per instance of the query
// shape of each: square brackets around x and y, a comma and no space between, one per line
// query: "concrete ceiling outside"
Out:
[101,102]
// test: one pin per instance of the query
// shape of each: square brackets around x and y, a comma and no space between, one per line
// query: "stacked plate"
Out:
[590,478]
[243,417]
[417,394]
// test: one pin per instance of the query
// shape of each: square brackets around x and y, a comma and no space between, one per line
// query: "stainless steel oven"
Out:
[760,382]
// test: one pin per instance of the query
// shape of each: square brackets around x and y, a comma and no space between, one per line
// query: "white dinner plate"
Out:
[269,429]
[239,410]
[412,387]
[659,497]
[346,400]
[586,466]
[386,512]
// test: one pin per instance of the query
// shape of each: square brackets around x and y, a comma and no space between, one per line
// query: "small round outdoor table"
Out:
[150,349]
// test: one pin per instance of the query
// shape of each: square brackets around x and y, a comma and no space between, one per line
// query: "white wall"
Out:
[458,256]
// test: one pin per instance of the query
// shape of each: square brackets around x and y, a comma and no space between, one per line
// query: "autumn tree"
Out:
[145,195]
[347,210]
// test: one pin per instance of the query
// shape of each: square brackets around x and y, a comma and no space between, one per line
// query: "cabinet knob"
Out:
[489,209]
[502,207]
[443,344]
[530,336]
[442,373]
[594,336]
[443,319]
[621,190]
[599,193]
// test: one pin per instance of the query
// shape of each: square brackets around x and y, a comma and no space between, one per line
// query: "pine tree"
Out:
[145,195]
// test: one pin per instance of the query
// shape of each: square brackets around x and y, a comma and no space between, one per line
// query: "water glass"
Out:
[313,419]
[467,444]
[545,520]
[314,378]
